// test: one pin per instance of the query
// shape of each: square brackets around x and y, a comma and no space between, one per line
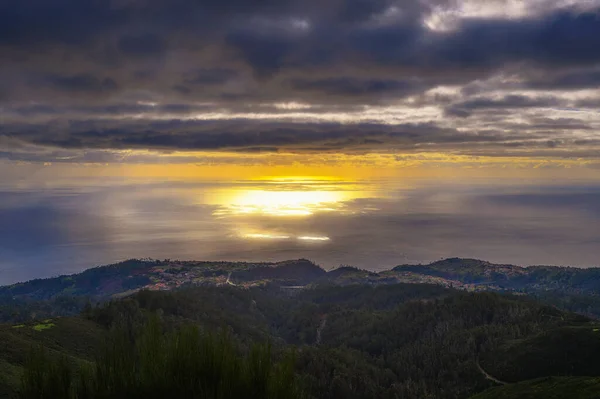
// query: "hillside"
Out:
[351,341]
[509,277]
[571,289]
[564,351]
[547,388]
[470,274]
[132,275]
[299,272]
[74,337]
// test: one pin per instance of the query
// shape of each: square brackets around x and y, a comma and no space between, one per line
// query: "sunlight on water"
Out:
[286,197]
[52,227]
[264,236]
[313,238]
[273,236]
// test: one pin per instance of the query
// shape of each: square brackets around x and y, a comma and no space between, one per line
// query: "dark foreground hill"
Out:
[547,388]
[75,338]
[355,341]
[562,351]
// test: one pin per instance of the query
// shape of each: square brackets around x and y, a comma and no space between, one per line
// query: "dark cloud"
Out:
[80,83]
[563,38]
[359,10]
[37,22]
[466,108]
[265,32]
[107,63]
[265,52]
[37,110]
[252,136]
[587,79]
[142,45]
[211,76]
[588,103]
[357,88]
[557,123]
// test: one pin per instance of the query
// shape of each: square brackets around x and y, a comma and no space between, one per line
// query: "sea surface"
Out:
[53,228]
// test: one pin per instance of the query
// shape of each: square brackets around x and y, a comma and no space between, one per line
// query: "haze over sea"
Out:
[53,222]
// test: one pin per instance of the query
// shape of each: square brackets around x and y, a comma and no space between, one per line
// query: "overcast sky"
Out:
[84,81]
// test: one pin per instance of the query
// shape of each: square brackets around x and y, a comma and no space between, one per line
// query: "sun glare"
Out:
[283,203]
[263,236]
[275,236]
[275,197]
[314,238]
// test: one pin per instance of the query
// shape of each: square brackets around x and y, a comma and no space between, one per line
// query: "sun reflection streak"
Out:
[253,206]
[277,199]
[276,236]
[314,238]
[266,236]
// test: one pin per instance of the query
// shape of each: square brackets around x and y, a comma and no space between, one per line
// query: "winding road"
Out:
[488,376]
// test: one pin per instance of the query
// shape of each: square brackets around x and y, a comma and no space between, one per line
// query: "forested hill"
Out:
[417,331]
[470,274]
[346,342]
[569,288]
[510,277]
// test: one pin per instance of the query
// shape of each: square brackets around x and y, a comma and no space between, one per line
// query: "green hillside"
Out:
[572,351]
[570,280]
[355,341]
[76,338]
[148,362]
[547,388]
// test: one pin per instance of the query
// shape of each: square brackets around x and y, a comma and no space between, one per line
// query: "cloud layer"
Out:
[494,77]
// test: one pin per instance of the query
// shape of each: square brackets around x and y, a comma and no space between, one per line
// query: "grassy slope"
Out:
[547,388]
[74,337]
[565,351]
[571,352]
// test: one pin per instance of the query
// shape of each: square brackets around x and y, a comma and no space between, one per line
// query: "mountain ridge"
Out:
[464,273]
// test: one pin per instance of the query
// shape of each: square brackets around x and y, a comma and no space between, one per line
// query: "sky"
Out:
[462,98]
[109,80]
